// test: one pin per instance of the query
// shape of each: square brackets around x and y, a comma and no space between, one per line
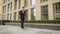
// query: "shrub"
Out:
[40,21]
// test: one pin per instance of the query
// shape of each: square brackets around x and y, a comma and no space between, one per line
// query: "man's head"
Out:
[23,8]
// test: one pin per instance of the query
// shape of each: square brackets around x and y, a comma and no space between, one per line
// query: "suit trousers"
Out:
[22,23]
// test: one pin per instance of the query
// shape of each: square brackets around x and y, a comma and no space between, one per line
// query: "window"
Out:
[33,2]
[25,3]
[3,17]
[44,0]
[18,16]
[4,1]
[4,9]
[56,8]
[10,16]
[11,7]
[15,4]
[33,13]
[7,16]
[44,12]
[15,14]
[8,7]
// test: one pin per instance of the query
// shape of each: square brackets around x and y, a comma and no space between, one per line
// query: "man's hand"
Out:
[26,9]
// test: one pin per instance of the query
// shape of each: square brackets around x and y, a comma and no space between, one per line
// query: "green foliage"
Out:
[40,21]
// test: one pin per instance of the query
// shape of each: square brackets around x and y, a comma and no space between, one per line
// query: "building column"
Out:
[22,3]
[29,14]
[12,10]
[6,11]
[50,10]
[17,10]
[38,10]
[29,10]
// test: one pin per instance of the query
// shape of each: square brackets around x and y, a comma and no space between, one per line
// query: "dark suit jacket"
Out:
[22,15]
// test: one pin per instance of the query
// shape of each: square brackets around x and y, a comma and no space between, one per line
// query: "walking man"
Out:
[22,14]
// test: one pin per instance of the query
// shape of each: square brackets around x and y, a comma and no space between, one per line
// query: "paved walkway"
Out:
[38,25]
[6,29]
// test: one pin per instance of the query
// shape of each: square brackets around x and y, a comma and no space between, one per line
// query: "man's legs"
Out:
[22,23]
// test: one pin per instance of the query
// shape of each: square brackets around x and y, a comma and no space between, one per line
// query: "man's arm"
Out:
[26,12]
[20,12]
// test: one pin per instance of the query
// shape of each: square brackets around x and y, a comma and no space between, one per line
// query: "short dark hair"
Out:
[23,7]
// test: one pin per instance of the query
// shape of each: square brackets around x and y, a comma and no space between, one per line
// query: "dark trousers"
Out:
[22,23]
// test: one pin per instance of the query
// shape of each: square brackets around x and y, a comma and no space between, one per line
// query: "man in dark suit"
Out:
[22,14]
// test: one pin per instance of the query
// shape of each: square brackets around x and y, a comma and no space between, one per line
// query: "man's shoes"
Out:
[22,28]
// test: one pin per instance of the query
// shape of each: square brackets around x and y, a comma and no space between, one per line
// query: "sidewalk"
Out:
[17,30]
[38,25]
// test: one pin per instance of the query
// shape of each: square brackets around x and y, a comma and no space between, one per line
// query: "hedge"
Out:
[40,21]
